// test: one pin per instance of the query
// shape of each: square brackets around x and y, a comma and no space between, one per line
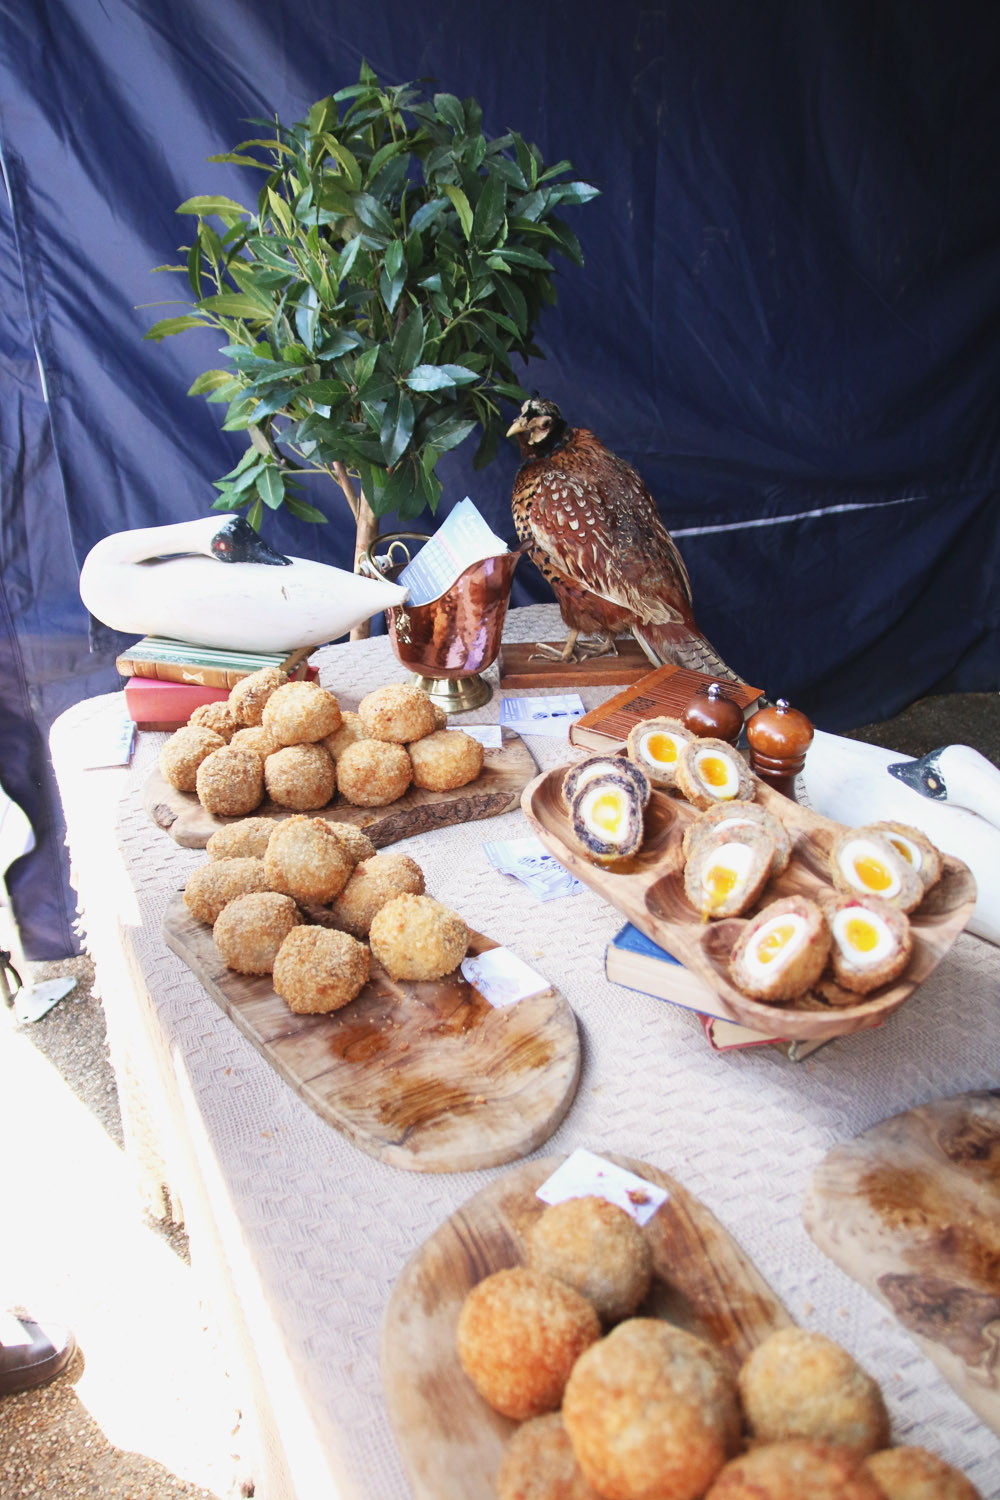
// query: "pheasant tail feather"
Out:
[684,648]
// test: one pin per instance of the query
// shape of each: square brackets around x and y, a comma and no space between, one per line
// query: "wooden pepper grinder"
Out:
[711,715]
[779,737]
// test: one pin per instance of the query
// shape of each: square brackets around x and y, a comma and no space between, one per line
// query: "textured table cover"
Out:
[300,1236]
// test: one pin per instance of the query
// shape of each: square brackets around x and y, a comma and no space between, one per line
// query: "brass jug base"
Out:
[456,695]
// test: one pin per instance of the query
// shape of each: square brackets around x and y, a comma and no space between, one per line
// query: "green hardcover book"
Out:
[204,666]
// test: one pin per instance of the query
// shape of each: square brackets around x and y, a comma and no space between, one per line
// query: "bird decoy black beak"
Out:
[920,777]
[237,542]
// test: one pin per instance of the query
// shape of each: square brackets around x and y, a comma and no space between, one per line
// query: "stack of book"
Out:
[634,960]
[166,680]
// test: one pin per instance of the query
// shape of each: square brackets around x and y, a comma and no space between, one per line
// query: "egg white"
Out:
[885,943]
[908,849]
[858,849]
[730,787]
[766,969]
[733,857]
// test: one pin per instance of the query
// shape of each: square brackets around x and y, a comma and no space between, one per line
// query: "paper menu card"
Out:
[463,538]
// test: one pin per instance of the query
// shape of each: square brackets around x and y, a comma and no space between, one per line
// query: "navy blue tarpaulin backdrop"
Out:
[788,319]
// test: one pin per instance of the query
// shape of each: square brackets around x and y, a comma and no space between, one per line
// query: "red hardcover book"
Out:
[153,704]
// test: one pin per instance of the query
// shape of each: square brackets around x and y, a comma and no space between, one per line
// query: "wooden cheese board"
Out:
[450,1440]
[911,1210]
[649,890]
[423,1075]
[495,790]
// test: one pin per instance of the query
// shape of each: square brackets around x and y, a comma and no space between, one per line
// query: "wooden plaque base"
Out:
[520,668]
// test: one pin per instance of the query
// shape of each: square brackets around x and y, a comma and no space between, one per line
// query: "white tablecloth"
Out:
[300,1236]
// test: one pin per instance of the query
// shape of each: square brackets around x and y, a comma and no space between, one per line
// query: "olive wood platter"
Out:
[427,1075]
[911,1210]
[495,790]
[649,890]
[450,1440]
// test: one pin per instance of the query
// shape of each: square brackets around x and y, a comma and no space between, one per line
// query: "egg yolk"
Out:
[714,770]
[661,747]
[719,882]
[907,851]
[872,873]
[769,948]
[861,935]
[606,813]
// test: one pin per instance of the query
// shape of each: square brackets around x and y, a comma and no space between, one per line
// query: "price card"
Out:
[502,978]
[530,862]
[551,715]
[584,1175]
[490,736]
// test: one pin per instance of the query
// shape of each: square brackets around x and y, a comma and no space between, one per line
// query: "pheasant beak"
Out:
[519,424]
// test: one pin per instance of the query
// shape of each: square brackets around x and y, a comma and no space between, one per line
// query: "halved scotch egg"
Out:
[915,847]
[782,952]
[711,771]
[656,746]
[606,817]
[729,815]
[864,863]
[598,765]
[872,941]
[727,871]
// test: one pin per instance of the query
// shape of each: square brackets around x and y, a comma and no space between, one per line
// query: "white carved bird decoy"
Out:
[217,583]
[952,795]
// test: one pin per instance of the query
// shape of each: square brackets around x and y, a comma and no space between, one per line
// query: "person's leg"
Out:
[31,1353]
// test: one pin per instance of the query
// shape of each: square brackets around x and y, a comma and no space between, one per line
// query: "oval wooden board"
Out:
[911,1210]
[426,1076]
[649,890]
[495,790]
[450,1440]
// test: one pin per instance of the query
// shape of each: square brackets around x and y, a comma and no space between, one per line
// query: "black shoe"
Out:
[31,1354]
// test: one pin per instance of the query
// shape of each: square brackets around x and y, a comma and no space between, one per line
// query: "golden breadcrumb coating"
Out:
[248,697]
[440,716]
[358,845]
[868,864]
[915,847]
[318,970]
[782,951]
[306,859]
[184,752]
[300,776]
[726,871]
[218,716]
[301,713]
[651,1412]
[371,884]
[861,955]
[398,712]
[711,771]
[230,782]
[250,929]
[246,839]
[796,1470]
[798,1383]
[539,1464]
[915,1474]
[519,1336]
[212,885]
[351,729]
[711,818]
[373,773]
[446,759]
[415,937]
[256,739]
[599,1249]
[655,745]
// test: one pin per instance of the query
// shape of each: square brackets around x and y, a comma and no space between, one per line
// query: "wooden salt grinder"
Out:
[779,738]
[711,715]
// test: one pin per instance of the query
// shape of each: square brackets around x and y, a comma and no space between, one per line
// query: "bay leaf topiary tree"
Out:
[372,301]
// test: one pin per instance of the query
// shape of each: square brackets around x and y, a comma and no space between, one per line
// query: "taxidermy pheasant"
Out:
[593,530]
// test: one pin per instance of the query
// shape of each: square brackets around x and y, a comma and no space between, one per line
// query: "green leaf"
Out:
[233,158]
[281,211]
[347,161]
[397,427]
[364,366]
[489,215]
[371,213]
[194,269]
[385,153]
[449,432]
[439,377]
[302,511]
[461,205]
[449,109]
[574,192]
[271,487]
[511,256]
[255,515]
[391,286]
[210,380]
[408,344]
[236,305]
[394,257]
[324,392]
[168,326]
[275,400]
[513,300]
[426,214]
[217,204]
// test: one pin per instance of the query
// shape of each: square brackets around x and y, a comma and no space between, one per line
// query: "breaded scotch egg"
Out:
[726,815]
[317,971]
[250,929]
[301,777]
[306,859]
[246,839]
[915,847]
[371,884]
[398,712]
[598,765]
[299,713]
[651,1411]
[248,697]
[872,941]
[656,745]
[782,951]
[800,1384]
[445,759]
[796,1470]
[184,752]
[520,1334]
[596,1247]
[711,771]
[867,864]
[230,782]
[914,1474]
[218,881]
[727,870]
[373,773]
[415,937]
[606,817]
[539,1464]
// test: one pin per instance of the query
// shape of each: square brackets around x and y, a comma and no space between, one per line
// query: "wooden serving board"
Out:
[426,1076]
[649,890]
[450,1440]
[495,790]
[911,1210]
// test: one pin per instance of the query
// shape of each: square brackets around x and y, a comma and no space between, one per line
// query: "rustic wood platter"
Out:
[495,790]
[649,890]
[427,1076]
[911,1210]
[450,1440]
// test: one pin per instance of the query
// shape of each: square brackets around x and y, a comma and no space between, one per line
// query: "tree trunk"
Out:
[367,531]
